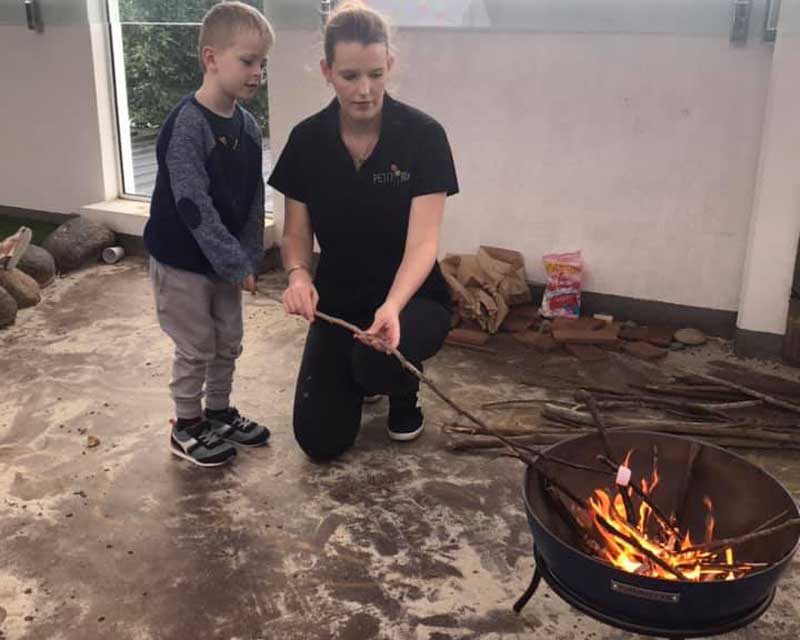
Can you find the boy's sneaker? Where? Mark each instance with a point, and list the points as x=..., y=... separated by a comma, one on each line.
x=406, y=421
x=199, y=445
x=230, y=425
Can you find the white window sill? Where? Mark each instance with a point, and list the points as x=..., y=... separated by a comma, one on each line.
x=129, y=217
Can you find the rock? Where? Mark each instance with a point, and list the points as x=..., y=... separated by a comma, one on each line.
x=21, y=287
x=39, y=265
x=8, y=308
x=92, y=442
x=677, y=346
x=691, y=337
x=77, y=242
x=660, y=336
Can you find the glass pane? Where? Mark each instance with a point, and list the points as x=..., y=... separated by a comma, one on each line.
x=549, y=16
x=159, y=66
x=169, y=10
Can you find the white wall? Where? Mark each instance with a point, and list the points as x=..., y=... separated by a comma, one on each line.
x=50, y=112
x=639, y=149
x=775, y=226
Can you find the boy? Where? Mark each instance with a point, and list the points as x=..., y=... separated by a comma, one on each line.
x=205, y=232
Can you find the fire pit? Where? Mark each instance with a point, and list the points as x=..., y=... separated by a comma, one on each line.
x=690, y=568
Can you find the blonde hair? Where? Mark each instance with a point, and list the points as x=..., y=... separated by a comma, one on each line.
x=354, y=21
x=225, y=19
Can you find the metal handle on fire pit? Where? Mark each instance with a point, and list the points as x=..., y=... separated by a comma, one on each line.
x=668, y=597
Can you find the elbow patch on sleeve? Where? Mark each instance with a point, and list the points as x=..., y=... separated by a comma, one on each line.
x=189, y=212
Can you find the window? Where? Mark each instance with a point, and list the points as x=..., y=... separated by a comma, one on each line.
x=155, y=63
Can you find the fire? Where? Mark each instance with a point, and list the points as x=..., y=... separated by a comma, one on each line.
x=650, y=546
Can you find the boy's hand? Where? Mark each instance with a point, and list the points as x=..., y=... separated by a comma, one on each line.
x=249, y=284
x=300, y=297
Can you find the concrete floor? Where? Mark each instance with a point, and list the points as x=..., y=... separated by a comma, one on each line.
x=394, y=541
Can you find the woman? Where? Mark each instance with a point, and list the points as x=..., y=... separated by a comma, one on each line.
x=368, y=176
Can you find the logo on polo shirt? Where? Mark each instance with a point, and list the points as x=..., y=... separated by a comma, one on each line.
x=394, y=177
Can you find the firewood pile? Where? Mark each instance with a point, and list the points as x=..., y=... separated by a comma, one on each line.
x=736, y=407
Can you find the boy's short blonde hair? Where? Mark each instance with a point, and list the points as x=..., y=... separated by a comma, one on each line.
x=224, y=20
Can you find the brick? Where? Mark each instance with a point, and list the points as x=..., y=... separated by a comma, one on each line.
x=467, y=336
x=516, y=324
x=539, y=341
x=644, y=350
x=578, y=324
x=586, y=352
x=525, y=311
x=609, y=335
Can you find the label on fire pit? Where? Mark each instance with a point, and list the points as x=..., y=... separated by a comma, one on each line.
x=647, y=594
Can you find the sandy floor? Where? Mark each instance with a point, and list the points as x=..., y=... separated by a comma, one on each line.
x=392, y=541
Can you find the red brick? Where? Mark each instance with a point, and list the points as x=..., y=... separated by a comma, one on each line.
x=644, y=350
x=539, y=341
x=609, y=335
x=586, y=352
x=516, y=324
x=467, y=336
x=578, y=324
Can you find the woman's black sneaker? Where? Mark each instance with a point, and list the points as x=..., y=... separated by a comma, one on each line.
x=199, y=445
x=406, y=421
x=230, y=425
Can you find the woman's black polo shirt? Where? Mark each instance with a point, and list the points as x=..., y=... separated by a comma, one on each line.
x=360, y=218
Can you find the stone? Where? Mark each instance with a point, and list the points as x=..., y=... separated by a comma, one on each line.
x=632, y=332
x=77, y=242
x=39, y=265
x=21, y=287
x=8, y=308
x=691, y=337
x=660, y=336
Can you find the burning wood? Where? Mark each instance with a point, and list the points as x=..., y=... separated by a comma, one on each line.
x=647, y=546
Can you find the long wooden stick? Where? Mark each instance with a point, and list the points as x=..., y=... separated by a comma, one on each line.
x=714, y=545
x=630, y=513
x=683, y=495
x=788, y=406
x=525, y=454
x=725, y=430
x=379, y=345
x=642, y=496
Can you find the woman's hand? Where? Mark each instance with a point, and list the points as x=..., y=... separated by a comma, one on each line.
x=385, y=329
x=300, y=297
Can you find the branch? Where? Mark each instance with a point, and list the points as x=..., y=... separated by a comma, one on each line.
x=732, y=542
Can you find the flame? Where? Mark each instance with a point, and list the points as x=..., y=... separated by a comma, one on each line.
x=667, y=555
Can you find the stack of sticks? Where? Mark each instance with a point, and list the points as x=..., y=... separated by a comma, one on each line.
x=700, y=406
